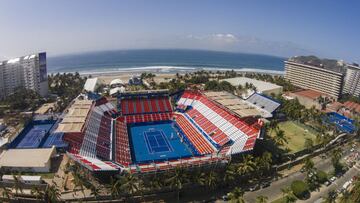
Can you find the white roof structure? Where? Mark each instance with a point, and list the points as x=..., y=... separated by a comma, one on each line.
x=26, y=157
x=116, y=82
x=117, y=90
x=22, y=177
x=261, y=86
x=13, y=60
x=90, y=84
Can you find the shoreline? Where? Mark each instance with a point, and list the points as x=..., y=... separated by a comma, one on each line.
x=168, y=70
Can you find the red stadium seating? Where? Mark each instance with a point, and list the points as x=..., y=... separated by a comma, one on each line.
x=216, y=134
x=103, y=139
x=145, y=105
x=122, y=151
x=148, y=117
x=200, y=143
x=211, y=126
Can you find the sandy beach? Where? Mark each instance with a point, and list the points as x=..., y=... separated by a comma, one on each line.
x=161, y=76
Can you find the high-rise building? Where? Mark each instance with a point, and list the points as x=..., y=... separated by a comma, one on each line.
x=29, y=72
x=314, y=78
x=352, y=80
x=327, y=76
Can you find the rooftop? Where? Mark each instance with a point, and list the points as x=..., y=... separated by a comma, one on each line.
x=352, y=106
x=237, y=105
x=328, y=64
x=261, y=86
x=90, y=84
x=312, y=94
x=76, y=115
x=26, y=157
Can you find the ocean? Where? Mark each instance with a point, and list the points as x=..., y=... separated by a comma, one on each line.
x=164, y=61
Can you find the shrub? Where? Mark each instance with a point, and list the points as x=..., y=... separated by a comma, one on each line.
x=300, y=189
x=322, y=176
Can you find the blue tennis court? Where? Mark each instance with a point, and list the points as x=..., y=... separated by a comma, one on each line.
x=34, y=137
x=156, y=142
x=55, y=139
x=342, y=123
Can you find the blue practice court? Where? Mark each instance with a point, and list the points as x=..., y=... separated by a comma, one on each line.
x=342, y=123
x=156, y=142
x=34, y=137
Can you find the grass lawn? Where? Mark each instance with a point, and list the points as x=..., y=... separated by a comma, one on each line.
x=280, y=200
x=296, y=135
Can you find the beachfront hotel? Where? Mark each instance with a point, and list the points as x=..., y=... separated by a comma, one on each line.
x=28, y=71
x=327, y=76
x=316, y=78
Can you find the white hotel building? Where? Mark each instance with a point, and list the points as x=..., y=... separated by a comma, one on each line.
x=29, y=72
x=344, y=79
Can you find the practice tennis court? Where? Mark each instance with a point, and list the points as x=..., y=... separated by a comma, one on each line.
x=34, y=137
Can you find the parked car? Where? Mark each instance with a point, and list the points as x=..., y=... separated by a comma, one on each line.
x=332, y=179
x=327, y=183
x=254, y=187
x=265, y=184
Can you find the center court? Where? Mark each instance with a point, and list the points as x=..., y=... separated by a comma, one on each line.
x=156, y=142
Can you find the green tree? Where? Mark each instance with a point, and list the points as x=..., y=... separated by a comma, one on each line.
x=247, y=165
x=280, y=138
x=52, y=194
x=37, y=192
x=288, y=196
x=261, y=199
x=236, y=195
x=177, y=180
x=129, y=183
x=299, y=189
x=17, y=184
x=5, y=192
x=211, y=180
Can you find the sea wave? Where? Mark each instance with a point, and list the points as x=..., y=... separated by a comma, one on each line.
x=171, y=69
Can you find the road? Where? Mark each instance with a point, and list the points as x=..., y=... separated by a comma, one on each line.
x=324, y=190
x=273, y=192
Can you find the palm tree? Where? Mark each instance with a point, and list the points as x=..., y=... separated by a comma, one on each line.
x=17, y=184
x=287, y=195
x=52, y=194
x=78, y=182
x=308, y=165
x=335, y=158
x=331, y=198
x=346, y=197
x=236, y=195
x=280, y=138
x=230, y=174
x=6, y=192
x=211, y=180
x=129, y=183
x=247, y=165
x=37, y=192
x=114, y=187
x=156, y=183
x=261, y=199
x=177, y=180
x=94, y=191
x=355, y=191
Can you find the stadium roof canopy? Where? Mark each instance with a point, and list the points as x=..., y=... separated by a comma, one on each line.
x=90, y=84
x=261, y=86
x=26, y=157
x=75, y=119
x=116, y=82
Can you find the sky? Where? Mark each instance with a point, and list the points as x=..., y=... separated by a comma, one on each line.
x=326, y=28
